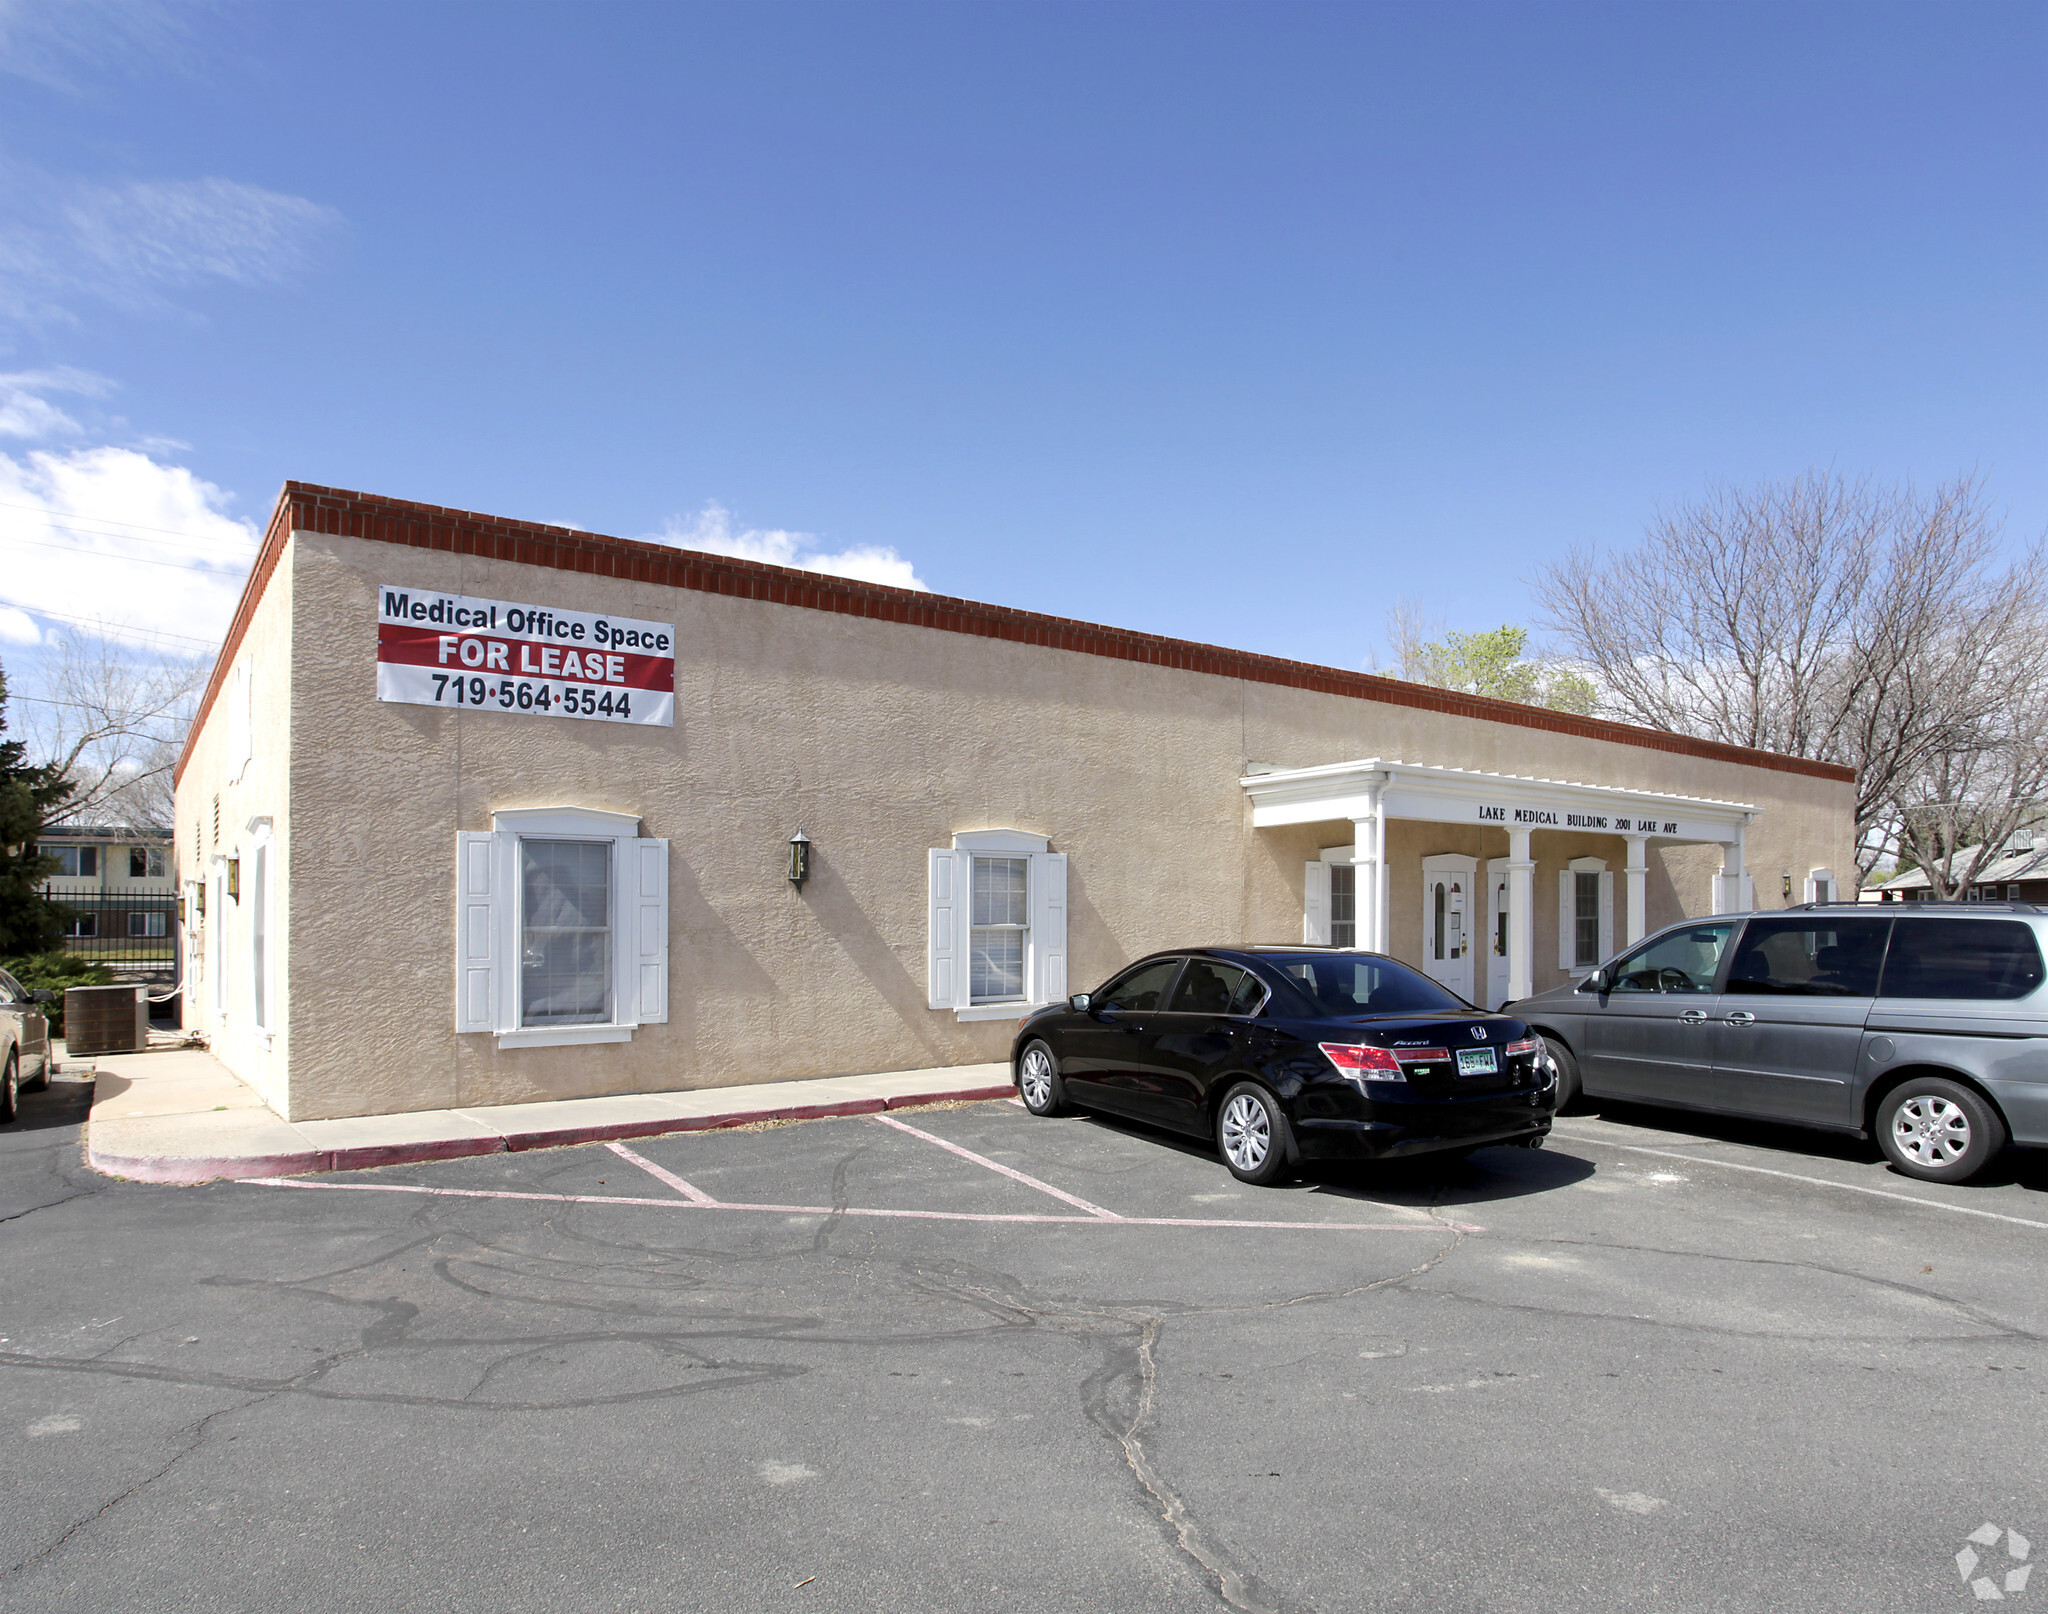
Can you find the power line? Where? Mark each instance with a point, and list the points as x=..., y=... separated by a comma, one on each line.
x=109, y=521
x=44, y=700
x=139, y=560
x=100, y=625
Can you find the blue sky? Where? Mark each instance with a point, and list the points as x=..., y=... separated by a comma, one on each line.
x=1233, y=322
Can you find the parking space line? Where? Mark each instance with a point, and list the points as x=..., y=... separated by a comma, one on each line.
x=1793, y=1176
x=695, y=1195
x=983, y=1160
x=859, y=1210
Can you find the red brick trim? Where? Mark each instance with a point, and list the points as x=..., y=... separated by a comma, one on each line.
x=305, y=507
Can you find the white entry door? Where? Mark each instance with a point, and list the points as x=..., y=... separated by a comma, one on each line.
x=1450, y=910
x=1498, y=907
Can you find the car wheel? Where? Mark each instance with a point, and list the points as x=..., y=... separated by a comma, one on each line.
x=1251, y=1133
x=1938, y=1130
x=1569, y=1092
x=42, y=1082
x=10, y=1086
x=1038, y=1081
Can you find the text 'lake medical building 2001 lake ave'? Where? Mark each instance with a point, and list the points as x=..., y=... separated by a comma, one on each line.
x=481, y=811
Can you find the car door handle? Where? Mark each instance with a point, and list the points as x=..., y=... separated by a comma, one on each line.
x=1742, y=1017
x=1692, y=1017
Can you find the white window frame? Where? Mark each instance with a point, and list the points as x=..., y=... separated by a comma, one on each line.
x=1568, y=915
x=1815, y=879
x=949, y=924
x=488, y=925
x=216, y=944
x=260, y=893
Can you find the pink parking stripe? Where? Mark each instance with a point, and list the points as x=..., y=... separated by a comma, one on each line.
x=695, y=1195
x=1014, y=1176
x=856, y=1210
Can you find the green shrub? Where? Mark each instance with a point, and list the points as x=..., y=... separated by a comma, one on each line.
x=55, y=972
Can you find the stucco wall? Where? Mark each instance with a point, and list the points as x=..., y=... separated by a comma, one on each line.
x=213, y=820
x=880, y=740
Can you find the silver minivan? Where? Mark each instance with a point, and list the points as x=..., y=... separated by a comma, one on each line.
x=1926, y=1028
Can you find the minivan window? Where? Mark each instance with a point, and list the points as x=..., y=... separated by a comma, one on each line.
x=1980, y=959
x=1683, y=961
x=1809, y=957
x=1332, y=986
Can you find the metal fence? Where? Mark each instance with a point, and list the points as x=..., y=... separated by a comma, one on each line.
x=132, y=935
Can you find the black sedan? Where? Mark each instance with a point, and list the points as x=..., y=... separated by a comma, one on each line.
x=1284, y=1054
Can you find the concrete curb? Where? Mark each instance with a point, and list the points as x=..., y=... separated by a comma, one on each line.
x=187, y=1171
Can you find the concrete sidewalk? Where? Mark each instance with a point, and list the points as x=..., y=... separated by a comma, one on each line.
x=180, y=1116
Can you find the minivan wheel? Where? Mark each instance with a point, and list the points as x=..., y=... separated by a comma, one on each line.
x=1938, y=1130
x=1251, y=1135
x=10, y=1085
x=1038, y=1081
x=1569, y=1091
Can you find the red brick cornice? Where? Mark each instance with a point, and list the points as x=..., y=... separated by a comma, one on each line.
x=304, y=507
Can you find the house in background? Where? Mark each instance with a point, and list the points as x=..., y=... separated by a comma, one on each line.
x=120, y=885
x=2018, y=874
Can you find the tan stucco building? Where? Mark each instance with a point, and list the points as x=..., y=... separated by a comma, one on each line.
x=480, y=811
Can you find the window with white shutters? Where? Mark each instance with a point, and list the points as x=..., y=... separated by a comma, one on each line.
x=996, y=924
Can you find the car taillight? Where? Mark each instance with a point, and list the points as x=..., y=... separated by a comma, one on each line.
x=1528, y=1045
x=1356, y=1059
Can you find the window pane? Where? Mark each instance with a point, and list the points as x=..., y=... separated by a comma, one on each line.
x=1207, y=988
x=1343, y=905
x=1984, y=959
x=1142, y=989
x=565, y=961
x=1832, y=958
x=1586, y=919
x=1001, y=909
x=1683, y=961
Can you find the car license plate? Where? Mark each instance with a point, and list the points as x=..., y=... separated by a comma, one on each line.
x=1477, y=1062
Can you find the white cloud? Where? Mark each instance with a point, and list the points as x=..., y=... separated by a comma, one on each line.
x=128, y=244
x=25, y=413
x=711, y=530
x=59, y=44
x=142, y=549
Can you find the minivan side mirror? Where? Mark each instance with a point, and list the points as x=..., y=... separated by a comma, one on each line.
x=1078, y=1002
x=1596, y=982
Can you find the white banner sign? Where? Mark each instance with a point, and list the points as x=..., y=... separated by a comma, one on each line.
x=497, y=656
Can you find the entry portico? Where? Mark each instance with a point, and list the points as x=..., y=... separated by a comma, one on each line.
x=1370, y=792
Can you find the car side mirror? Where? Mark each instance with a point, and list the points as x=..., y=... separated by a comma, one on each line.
x=43, y=994
x=1078, y=1002
x=1596, y=982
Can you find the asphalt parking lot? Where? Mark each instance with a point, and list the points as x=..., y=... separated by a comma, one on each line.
x=977, y=1361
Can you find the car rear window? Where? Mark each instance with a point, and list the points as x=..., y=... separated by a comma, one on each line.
x=1972, y=959
x=1332, y=986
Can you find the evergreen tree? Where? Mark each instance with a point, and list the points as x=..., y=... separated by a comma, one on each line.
x=30, y=797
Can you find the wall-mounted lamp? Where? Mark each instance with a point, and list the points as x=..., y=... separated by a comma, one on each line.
x=799, y=859
x=1787, y=888
x=235, y=878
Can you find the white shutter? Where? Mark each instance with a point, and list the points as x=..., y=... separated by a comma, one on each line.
x=1315, y=904
x=476, y=931
x=1567, y=941
x=944, y=986
x=1049, y=926
x=1606, y=915
x=648, y=899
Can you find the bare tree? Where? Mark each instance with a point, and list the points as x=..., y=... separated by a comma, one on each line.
x=1829, y=619
x=113, y=719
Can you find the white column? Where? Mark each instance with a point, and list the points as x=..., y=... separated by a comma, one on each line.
x=1521, y=917
x=1729, y=896
x=1371, y=876
x=1638, y=873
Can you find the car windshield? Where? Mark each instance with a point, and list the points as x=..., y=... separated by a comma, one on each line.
x=1337, y=986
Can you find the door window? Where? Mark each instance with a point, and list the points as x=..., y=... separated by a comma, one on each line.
x=1207, y=987
x=1810, y=958
x=1144, y=988
x=1683, y=961
x=1980, y=959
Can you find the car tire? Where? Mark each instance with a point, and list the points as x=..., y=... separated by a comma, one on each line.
x=1038, y=1081
x=42, y=1082
x=1569, y=1091
x=10, y=1086
x=1252, y=1136
x=1938, y=1130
